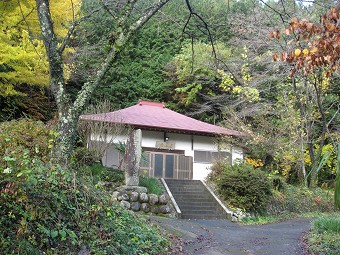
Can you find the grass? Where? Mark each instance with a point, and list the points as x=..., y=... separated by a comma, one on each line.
x=152, y=184
x=331, y=225
x=324, y=238
x=266, y=219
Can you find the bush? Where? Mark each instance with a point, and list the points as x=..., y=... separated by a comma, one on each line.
x=17, y=135
x=113, y=175
x=46, y=209
x=152, y=184
x=300, y=199
x=82, y=156
x=242, y=186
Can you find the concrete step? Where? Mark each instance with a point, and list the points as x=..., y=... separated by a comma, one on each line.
x=198, y=217
x=201, y=207
x=192, y=196
x=187, y=200
x=210, y=211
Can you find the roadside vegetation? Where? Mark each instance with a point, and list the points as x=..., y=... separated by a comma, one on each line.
x=324, y=238
x=262, y=194
x=47, y=209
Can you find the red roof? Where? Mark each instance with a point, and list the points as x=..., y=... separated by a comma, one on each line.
x=155, y=116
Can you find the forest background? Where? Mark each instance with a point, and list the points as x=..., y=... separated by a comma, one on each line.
x=219, y=69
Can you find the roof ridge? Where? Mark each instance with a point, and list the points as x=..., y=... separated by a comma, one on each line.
x=151, y=103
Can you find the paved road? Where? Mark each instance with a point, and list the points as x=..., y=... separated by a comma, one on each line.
x=217, y=237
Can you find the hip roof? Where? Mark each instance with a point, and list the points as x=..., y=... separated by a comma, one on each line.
x=155, y=116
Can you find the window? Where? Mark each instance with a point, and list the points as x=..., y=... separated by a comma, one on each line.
x=202, y=156
x=208, y=157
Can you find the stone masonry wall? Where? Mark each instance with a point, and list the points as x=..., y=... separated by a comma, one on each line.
x=137, y=199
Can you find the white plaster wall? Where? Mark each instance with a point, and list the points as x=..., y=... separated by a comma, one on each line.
x=149, y=138
x=184, y=142
x=205, y=143
x=237, y=154
x=201, y=171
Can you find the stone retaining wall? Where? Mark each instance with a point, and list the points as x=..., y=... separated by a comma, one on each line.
x=137, y=199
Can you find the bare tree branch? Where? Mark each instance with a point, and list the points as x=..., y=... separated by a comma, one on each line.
x=70, y=32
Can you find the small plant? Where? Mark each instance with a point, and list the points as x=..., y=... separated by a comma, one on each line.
x=152, y=184
x=113, y=175
x=331, y=225
x=324, y=239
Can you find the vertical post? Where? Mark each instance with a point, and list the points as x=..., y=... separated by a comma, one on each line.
x=133, y=155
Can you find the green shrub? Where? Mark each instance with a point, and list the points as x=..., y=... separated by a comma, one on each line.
x=82, y=156
x=152, y=184
x=300, y=199
x=27, y=134
x=45, y=209
x=242, y=186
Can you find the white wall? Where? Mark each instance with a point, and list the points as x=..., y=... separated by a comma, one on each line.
x=237, y=154
x=184, y=142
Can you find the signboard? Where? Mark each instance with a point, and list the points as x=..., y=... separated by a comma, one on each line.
x=165, y=145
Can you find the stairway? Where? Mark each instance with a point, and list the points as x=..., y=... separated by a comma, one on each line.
x=194, y=200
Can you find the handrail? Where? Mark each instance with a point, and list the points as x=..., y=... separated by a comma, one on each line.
x=179, y=213
x=226, y=210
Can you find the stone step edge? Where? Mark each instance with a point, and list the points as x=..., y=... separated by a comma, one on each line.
x=173, y=201
x=202, y=217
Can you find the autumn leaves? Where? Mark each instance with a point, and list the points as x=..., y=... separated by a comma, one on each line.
x=317, y=44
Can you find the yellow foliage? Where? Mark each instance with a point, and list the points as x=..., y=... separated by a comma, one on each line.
x=331, y=162
x=227, y=84
x=297, y=52
x=254, y=162
x=22, y=55
x=314, y=50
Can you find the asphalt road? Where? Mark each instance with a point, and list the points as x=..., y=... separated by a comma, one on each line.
x=222, y=237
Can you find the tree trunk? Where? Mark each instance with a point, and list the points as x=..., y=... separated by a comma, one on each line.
x=68, y=111
x=303, y=166
x=322, y=137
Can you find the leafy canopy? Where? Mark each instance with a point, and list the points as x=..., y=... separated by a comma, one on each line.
x=22, y=53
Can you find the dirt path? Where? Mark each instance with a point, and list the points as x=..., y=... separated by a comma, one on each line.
x=221, y=237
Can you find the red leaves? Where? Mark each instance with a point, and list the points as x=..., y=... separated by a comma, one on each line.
x=275, y=34
x=9, y=188
x=322, y=40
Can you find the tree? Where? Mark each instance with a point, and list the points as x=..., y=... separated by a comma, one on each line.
x=22, y=56
x=98, y=136
x=23, y=66
x=205, y=82
x=127, y=19
x=317, y=55
x=138, y=71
